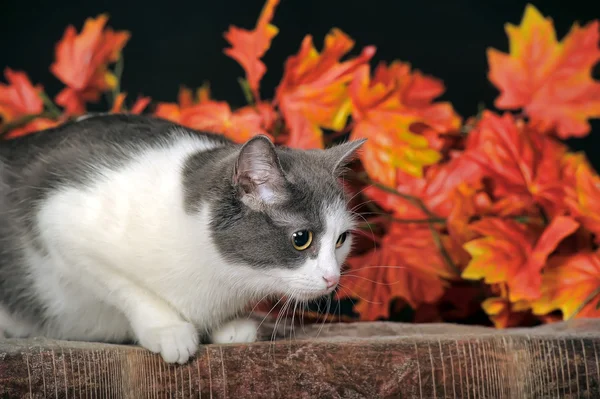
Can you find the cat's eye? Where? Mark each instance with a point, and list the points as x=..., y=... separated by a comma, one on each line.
x=302, y=239
x=341, y=239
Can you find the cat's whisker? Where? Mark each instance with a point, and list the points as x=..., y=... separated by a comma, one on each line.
x=360, y=192
x=360, y=297
x=376, y=267
x=325, y=318
x=267, y=315
x=370, y=280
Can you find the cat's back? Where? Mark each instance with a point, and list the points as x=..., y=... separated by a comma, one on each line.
x=114, y=137
x=83, y=152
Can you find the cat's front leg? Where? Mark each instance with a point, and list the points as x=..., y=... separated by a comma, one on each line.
x=156, y=325
x=241, y=330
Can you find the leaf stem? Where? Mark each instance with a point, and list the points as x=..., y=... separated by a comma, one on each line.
x=247, y=91
x=432, y=218
x=52, y=110
x=118, y=71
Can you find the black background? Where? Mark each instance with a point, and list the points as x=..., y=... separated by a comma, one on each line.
x=181, y=42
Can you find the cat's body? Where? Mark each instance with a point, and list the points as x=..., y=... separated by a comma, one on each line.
x=120, y=228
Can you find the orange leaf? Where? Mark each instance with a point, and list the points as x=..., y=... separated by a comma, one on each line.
x=217, y=117
x=385, y=109
x=398, y=269
x=571, y=284
x=525, y=166
x=31, y=127
x=82, y=60
x=436, y=189
x=550, y=80
x=19, y=98
x=505, y=314
x=514, y=253
x=313, y=93
x=248, y=47
x=583, y=193
x=137, y=108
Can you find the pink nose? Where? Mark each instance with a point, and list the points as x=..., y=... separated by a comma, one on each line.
x=331, y=280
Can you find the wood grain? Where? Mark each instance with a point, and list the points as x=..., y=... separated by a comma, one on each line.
x=359, y=360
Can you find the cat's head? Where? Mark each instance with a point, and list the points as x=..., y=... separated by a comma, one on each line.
x=286, y=217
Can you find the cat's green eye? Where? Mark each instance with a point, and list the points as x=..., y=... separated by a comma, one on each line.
x=302, y=239
x=341, y=239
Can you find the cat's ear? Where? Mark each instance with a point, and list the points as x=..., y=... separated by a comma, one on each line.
x=341, y=155
x=258, y=173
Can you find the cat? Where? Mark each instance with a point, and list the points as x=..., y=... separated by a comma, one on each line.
x=124, y=228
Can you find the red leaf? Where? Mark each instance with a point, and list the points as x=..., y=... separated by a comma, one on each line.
x=551, y=81
x=20, y=97
x=313, y=93
x=82, y=60
x=248, y=47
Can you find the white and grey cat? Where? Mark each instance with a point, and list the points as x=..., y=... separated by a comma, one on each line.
x=128, y=228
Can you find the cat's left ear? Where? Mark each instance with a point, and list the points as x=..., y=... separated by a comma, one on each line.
x=258, y=173
x=341, y=155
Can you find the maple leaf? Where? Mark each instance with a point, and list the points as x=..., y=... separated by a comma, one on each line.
x=550, y=80
x=137, y=108
x=583, y=192
x=435, y=189
x=384, y=110
x=248, y=47
x=514, y=253
x=571, y=284
x=313, y=93
x=525, y=166
x=217, y=117
x=397, y=269
x=82, y=60
x=19, y=97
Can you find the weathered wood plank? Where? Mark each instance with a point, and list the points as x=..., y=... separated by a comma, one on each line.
x=361, y=360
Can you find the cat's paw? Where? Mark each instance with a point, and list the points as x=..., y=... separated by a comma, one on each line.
x=175, y=343
x=236, y=331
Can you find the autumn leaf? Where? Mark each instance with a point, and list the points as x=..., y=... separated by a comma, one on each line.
x=571, y=284
x=505, y=314
x=35, y=125
x=384, y=110
x=19, y=97
x=137, y=108
x=551, y=80
x=583, y=193
x=249, y=46
x=397, y=269
x=525, y=166
x=217, y=117
x=313, y=94
x=436, y=189
x=514, y=253
x=82, y=60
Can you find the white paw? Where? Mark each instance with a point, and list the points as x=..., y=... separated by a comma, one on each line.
x=175, y=343
x=236, y=331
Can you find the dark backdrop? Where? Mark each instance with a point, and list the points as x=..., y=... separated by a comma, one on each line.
x=181, y=42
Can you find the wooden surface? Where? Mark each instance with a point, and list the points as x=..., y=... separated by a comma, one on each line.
x=368, y=360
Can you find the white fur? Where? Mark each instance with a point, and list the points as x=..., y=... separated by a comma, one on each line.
x=125, y=261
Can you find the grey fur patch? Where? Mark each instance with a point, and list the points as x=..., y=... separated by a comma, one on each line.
x=262, y=237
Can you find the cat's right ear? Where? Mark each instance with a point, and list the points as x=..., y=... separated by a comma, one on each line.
x=258, y=173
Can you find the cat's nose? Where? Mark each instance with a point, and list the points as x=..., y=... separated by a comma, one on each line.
x=331, y=281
